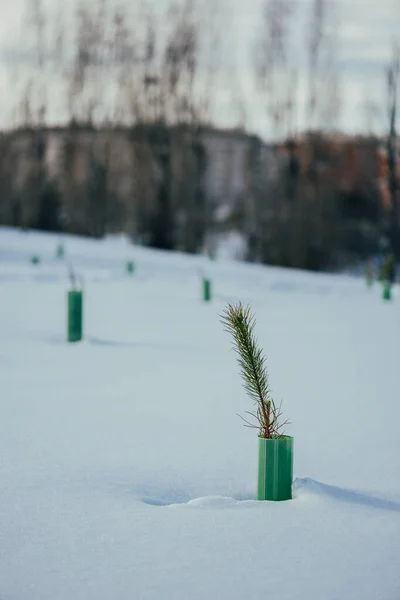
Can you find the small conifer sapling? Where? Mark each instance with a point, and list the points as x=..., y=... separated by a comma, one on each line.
x=239, y=322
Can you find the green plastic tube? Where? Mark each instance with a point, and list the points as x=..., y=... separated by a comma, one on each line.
x=75, y=302
x=130, y=266
x=206, y=290
x=35, y=260
x=275, y=468
x=387, y=291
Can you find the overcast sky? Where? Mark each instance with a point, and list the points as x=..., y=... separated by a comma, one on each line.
x=365, y=30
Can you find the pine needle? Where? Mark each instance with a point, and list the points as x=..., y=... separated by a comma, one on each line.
x=240, y=323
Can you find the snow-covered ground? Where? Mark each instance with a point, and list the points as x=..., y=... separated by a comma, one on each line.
x=125, y=472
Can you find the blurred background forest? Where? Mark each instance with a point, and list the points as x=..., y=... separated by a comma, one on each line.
x=114, y=129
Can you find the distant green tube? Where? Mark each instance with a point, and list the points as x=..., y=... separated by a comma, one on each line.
x=75, y=303
x=206, y=290
x=35, y=260
x=387, y=291
x=130, y=267
x=275, y=468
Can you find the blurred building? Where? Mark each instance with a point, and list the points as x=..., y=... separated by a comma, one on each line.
x=87, y=169
x=176, y=187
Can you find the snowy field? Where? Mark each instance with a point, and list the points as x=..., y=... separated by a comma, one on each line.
x=125, y=473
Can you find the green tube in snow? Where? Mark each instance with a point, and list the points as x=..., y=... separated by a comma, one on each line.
x=130, y=266
x=75, y=303
x=206, y=290
x=387, y=291
x=275, y=468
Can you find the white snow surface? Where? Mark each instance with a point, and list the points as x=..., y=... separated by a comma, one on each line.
x=125, y=472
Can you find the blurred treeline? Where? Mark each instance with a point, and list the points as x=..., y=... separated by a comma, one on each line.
x=114, y=129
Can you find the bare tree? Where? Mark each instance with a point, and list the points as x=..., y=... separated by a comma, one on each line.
x=324, y=100
x=31, y=181
x=315, y=33
x=297, y=212
x=393, y=84
x=322, y=113
x=36, y=27
x=276, y=75
x=272, y=71
x=161, y=80
x=90, y=63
